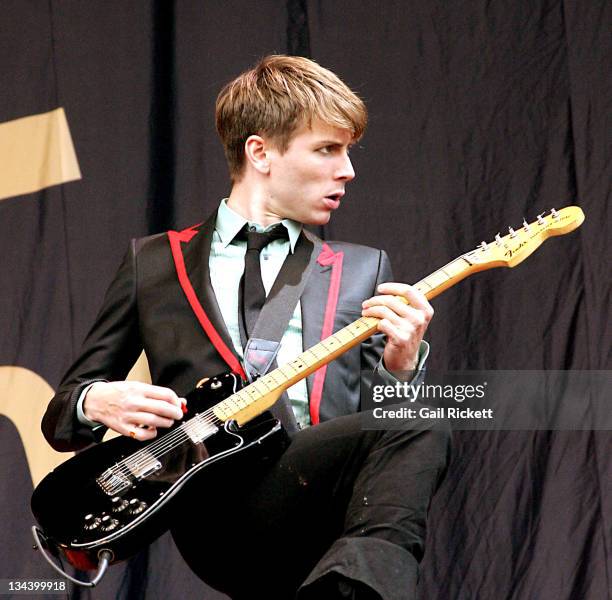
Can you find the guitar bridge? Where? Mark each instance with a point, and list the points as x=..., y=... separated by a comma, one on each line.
x=118, y=478
x=114, y=481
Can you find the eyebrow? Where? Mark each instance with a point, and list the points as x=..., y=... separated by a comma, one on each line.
x=333, y=143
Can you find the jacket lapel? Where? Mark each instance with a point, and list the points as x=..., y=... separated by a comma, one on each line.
x=197, y=254
x=313, y=303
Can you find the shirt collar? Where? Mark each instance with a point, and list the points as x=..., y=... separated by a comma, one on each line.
x=229, y=223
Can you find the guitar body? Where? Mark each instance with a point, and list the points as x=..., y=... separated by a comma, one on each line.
x=117, y=495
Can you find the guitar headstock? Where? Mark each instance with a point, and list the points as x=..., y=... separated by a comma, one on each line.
x=517, y=245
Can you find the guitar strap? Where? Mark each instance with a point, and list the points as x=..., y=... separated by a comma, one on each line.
x=262, y=347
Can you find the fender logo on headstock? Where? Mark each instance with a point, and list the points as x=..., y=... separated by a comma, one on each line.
x=510, y=252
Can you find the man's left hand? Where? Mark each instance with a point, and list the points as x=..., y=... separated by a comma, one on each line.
x=403, y=324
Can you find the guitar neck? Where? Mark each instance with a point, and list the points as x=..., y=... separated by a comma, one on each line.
x=260, y=395
x=507, y=251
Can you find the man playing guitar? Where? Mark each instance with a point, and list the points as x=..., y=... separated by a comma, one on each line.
x=342, y=512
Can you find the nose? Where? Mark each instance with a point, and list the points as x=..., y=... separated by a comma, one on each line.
x=345, y=171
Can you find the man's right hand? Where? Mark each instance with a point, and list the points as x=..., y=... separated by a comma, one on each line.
x=133, y=408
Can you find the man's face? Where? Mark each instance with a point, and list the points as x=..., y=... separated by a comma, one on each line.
x=307, y=181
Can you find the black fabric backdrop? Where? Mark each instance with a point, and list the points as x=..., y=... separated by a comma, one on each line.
x=480, y=113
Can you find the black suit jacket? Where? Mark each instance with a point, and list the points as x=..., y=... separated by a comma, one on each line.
x=146, y=308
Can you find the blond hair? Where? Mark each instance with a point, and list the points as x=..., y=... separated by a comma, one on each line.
x=280, y=94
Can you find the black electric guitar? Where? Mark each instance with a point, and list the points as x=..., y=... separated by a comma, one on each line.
x=111, y=500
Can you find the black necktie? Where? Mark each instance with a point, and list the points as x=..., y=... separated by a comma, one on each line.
x=252, y=292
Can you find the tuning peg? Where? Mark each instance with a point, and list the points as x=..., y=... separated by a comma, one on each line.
x=512, y=232
x=498, y=239
x=526, y=225
x=555, y=214
x=541, y=220
x=483, y=246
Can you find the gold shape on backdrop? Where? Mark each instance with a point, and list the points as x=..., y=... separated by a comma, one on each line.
x=24, y=396
x=36, y=152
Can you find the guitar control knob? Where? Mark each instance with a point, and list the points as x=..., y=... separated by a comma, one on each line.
x=108, y=523
x=118, y=504
x=91, y=522
x=136, y=506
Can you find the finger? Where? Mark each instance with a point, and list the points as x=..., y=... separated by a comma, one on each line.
x=392, y=302
x=399, y=307
x=157, y=407
x=399, y=316
x=136, y=432
x=146, y=419
x=412, y=294
x=381, y=311
x=157, y=392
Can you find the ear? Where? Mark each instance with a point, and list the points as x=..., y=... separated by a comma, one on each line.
x=256, y=153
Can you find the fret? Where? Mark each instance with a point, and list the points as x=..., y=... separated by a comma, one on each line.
x=283, y=371
x=272, y=377
x=355, y=329
x=224, y=413
x=252, y=393
x=445, y=274
x=421, y=286
x=436, y=279
x=308, y=357
x=315, y=352
x=344, y=336
x=223, y=410
x=330, y=344
x=261, y=382
x=295, y=365
x=231, y=403
x=456, y=267
x=241, y=399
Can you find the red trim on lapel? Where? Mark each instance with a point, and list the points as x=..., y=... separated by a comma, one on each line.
x=185, y=236
x=326, y=257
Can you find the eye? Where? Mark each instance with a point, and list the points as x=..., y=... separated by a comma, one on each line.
x=326, y=149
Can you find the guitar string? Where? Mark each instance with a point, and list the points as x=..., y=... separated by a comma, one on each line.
x=137, y=460
x=148, y=456
x=170, y=441
x=200, y=419
x=145, y=456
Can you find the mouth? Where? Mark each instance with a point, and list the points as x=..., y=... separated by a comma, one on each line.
x=333, y=200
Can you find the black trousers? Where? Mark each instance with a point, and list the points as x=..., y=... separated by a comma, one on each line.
x=341, y=499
